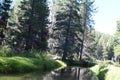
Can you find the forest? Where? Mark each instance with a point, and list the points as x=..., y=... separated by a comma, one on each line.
x=46, y=34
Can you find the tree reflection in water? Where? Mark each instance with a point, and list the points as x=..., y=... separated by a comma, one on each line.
x=71, y=73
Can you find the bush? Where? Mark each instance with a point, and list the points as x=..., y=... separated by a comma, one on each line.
x=100, y=70
x=6, y=50
x=81, y=63
x=32, y=53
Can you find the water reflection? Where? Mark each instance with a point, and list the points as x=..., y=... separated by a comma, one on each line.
x=74, y=73
x=70, y=73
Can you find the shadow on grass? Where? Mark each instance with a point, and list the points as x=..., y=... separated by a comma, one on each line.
x=102, y=73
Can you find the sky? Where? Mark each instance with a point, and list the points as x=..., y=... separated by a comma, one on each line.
x=108, y=12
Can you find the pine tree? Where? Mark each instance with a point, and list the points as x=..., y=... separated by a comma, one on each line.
x=13, y=25
x=67, y=23
x=4, y=15
x=32, y=25
x=87, y=9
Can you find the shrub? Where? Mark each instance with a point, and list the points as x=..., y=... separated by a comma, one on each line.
x=81, y=63
x=6, y=50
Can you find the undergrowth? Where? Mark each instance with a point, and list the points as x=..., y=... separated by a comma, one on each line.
x=23, y=64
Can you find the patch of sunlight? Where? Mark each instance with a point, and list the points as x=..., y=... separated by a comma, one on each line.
x=50, y=56
x=63, y=65
x=113, y=73
x=95, y=69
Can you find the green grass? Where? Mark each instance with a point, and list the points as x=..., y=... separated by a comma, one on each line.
x=12, y=61
x=23, y=64
x=109, y=72
x=113, y=73
x=63, y=65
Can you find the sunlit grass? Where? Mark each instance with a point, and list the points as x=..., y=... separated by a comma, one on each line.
x=16, y=64
x=95, y=69
x=63, y=65
x=112, y=72
x=23, y=64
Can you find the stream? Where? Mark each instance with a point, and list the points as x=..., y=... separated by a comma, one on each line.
x=69, y=73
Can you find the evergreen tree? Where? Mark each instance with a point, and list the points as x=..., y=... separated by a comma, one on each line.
x=5, y=8
x=87, y=10
x=32, y=25
x=67, y=25
x=90, y=43
x=117, y=40
x=105, y=46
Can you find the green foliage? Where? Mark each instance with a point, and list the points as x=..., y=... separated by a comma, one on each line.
x=67, y=27
x=29, y=61
x=109, y=72
x=118, y=26
x=4, y=15
x=100, y=71
x=91, y=43
x=6, y=50
x=16, y=64
x=117, y=50
x=117, y=40
x=28, y=25
x=22, y=64
x=81, y=63
x=32, y=53
x=105, y=46
x=116, y=46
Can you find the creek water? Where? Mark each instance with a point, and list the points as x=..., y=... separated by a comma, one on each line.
x=69, y=73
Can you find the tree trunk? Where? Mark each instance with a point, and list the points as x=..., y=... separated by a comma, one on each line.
x=84, y=22
x=29, y=38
